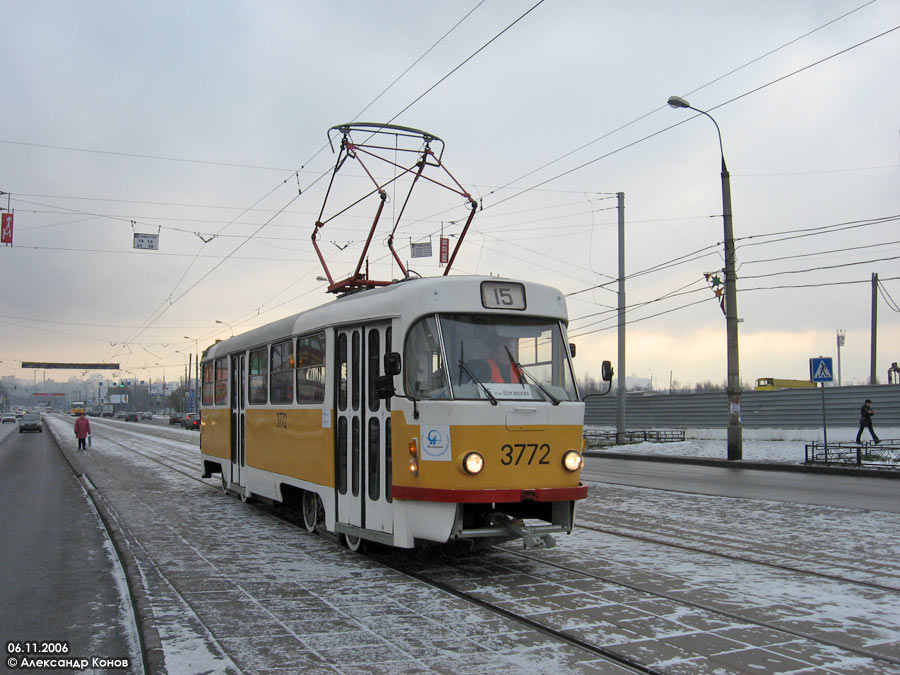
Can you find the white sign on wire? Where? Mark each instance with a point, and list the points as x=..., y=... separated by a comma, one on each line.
x=146, y=241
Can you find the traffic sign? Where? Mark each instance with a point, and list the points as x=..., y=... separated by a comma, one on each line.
x=820, y=369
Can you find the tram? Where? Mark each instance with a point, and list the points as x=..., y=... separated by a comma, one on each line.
x=76, y=408
x=428, y=410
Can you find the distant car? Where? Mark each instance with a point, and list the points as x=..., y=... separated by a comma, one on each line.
x=146, y=415
x=192, y=421
x=120, y=415
x=176, y=418
x=31, y=422
x=132, y=417
x=20, y=414
x=8, y=417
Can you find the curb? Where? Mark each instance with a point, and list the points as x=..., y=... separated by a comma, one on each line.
x=151, y=645
x=744, y=464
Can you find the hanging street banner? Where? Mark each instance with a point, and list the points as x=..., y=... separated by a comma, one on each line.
x=420, y=250
x=445, y=250
x=6, y=229
x=70, y=366
x=146, y=241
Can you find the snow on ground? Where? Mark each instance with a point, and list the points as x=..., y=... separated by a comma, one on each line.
x=759, y=445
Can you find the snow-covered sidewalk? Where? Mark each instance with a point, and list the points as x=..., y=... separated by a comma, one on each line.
x=759, y=445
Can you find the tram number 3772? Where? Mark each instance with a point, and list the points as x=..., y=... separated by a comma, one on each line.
x=540, y=453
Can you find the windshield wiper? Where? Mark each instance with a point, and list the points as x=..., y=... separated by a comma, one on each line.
x=468, y=371
x=521, y=369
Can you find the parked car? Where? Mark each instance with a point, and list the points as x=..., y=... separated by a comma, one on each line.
x=176, y=418
x=132, y=417
x=8, y=417
x=31, y=422
x=146, y=415
x=120, y=415
x=192, y=421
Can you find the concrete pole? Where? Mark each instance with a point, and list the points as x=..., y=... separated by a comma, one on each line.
x=873, y=377
x=620, y=363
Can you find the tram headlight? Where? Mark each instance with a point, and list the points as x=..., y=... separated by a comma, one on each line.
x=473, y=463
x=572, y=460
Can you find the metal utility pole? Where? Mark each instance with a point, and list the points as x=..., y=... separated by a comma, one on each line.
x=735, y=432
x=873, y=378
x=620, y=363
x=840, y=343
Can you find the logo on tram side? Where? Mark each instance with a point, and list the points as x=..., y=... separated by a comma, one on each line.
x=436, y=444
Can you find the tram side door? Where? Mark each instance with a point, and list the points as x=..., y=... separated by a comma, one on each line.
x=238, y=405
x=362, y=455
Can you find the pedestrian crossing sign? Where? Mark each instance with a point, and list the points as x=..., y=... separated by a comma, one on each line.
x=820, y=369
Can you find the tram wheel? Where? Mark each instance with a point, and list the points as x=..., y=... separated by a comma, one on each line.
x=310, y=510
x=352, y=542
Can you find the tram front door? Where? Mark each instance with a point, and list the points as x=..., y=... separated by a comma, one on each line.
x=362, y=429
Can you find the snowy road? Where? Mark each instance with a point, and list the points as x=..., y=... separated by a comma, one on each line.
x=234, y=589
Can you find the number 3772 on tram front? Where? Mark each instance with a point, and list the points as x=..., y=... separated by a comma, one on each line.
x=428, y=410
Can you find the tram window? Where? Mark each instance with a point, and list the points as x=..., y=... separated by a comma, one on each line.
x=372, y=369
x=259, y=375
x=311, y=368
x=424, y=375
x=354, y=452
x=356, y=383
x=387, y=350
x=282, y=382
x=342, y=371
x=374, y=435
x=221, y=388
x=388, y=461
x=208, y=383
x=342, y=456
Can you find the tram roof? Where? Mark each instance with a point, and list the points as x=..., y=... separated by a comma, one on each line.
x=412, y=297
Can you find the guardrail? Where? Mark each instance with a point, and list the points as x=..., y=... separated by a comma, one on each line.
x=608, y=437
x=883, y=454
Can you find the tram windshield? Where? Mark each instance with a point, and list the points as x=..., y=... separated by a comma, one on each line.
x=464, y=357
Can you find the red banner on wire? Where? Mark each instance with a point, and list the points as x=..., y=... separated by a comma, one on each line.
x=6, y=229
x=445, y=250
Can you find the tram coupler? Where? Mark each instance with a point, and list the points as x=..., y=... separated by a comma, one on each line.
x=531, y=538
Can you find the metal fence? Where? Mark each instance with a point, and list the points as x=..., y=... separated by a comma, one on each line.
x=781, y=409
x=884, y=454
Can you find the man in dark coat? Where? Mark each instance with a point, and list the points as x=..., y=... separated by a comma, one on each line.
x=865, y=420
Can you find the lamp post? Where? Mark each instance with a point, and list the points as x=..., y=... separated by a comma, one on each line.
x=735, y=440
x=225, y=323
x=196, y=370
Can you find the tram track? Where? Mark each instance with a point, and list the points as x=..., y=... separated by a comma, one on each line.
x=737, y=558
x=734, y=616
x=179, y=461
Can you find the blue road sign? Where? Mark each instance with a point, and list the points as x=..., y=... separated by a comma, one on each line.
x=820, y=369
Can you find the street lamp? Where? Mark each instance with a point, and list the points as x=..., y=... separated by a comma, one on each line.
x=735, y=441
x=225, y=323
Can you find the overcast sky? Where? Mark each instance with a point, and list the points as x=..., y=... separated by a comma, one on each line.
x=201, y=122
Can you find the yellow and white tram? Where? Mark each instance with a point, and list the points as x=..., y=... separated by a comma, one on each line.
x=428, y=410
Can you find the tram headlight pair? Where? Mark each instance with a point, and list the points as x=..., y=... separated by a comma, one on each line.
x=414, y=457
x=572, y=460
x=473, y=463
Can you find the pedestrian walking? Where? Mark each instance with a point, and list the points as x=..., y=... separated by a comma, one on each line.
x=82, y=431
x=865, y=420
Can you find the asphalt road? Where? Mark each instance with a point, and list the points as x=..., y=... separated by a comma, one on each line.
x=855, y=492
x=59, y=578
